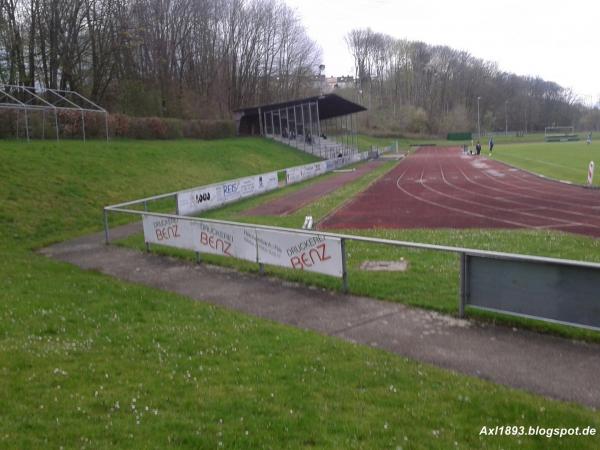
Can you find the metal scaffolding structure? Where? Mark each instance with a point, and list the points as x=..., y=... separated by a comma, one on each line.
x=28, y=99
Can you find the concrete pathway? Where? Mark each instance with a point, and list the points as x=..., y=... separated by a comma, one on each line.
x=538, y=363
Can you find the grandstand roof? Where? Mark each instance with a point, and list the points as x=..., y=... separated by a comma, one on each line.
x=330, y=105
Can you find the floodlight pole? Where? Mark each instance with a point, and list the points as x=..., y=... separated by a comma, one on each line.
x=506, y=118
x=478, y=121
x=319, y=128
x=321, y=69
x=312, y=145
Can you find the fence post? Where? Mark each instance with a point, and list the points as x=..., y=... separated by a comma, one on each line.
x=198, y=258
x=146, y=209
x=261, y=266
x=344, y=271
x=464, y=273
x=106, y=237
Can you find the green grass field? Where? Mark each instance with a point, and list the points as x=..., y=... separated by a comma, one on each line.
x=366, y=141
x=559, y=160
x=91, y=362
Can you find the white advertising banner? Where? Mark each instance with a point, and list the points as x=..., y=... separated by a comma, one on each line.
x=300, y=173
x=197, y=200
x=213, y=196
x=299, y=251
x=311, y=252
x=226, y=240
x=204, y=237
x=168, y=231
x=257, y=184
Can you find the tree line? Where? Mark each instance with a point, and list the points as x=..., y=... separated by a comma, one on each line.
x=430, y=88
x=173, y=58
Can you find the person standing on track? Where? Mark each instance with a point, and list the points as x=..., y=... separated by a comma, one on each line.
x=478, y=148
x=491, y=144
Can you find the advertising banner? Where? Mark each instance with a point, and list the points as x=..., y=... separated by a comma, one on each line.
x=310, y=252
x=225, y=240
x=199, y=199
x=299, y=251
x=167, y=231
x=213, y=196
x=258, y=184
x=300, y=173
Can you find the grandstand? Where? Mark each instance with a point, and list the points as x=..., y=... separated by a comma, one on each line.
x=323, y=125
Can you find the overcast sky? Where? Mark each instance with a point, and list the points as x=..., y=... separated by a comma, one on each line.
x=557, y=40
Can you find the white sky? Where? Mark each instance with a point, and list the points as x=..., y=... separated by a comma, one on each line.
x=556, y=40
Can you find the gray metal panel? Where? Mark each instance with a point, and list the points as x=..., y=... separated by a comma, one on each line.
x=547, y=291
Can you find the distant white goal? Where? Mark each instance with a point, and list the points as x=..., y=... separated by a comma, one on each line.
x=560, y=134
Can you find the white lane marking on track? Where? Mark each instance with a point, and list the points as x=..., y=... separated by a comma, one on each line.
x=513, y=210
x=461, y=211
x=552, y=208
x=544, y=192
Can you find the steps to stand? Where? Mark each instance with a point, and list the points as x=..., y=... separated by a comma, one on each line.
x=322, y=147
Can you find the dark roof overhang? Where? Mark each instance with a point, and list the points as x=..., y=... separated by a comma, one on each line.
x=330, y=105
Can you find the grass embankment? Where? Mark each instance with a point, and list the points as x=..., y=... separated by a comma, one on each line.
x=88, y=361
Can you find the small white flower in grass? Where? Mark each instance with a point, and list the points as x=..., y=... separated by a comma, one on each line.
x=291, y=411
x=385, y=426
x=435, y=432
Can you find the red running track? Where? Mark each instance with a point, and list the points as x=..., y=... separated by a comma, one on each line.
x=291, y=203
x=442, y=188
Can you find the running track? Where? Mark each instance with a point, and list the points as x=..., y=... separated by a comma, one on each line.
x=293, y=202
x=442, y=188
